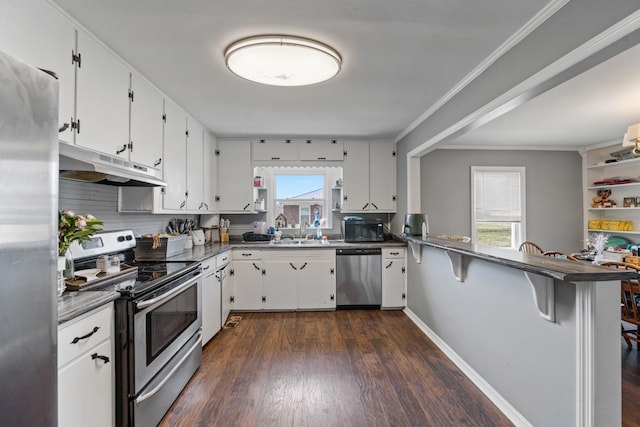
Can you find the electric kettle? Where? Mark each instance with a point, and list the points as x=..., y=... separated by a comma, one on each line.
x=413, y=223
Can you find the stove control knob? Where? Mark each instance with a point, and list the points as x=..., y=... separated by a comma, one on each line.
x=120, y=238
x=129, y=237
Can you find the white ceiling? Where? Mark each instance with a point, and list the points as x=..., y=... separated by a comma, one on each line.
x=400, y=57
x=594, y=107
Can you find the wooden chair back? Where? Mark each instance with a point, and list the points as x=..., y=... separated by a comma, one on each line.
x=556, y=254
x=530, y=248
x=629, y=301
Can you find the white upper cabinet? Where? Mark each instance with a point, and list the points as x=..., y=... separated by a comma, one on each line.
x=369, y=177
x=320, y=149
x=34, y=32
x=146, y=122
x=209, y=174
x=355, y=173
x=382, y=176
x=175, y=157
x=235, y=184
x=274, y=149
x=102, y=98
x=195, y=165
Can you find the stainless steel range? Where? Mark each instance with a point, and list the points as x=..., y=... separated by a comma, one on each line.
x=158, y=325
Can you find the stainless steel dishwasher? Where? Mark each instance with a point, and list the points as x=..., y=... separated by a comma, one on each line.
x=359, y=278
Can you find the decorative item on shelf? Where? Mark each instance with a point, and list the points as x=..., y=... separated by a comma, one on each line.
x=281, y=221
x=610, y=224
x=598, y=241
x=602, y=199
x=629, y=202
x=71, y=228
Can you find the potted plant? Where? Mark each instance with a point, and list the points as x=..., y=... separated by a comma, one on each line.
x=72, y=227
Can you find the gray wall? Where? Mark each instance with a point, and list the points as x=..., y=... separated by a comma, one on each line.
x=491, y=321
x=102, y=202
x=553, y=193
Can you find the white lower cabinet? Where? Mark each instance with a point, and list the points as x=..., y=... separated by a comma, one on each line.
x=394, y=278
x=211, y=304
x=85, y=370
x=246, y=275
x=283, y=280
x=316, y=280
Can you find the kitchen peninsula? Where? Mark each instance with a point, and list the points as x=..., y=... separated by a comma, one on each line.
x=532, y=332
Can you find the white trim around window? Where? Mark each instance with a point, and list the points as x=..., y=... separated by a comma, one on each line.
x=518, y=232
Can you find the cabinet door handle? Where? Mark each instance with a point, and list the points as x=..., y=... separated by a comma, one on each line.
x=64, y=127
x=365, y=206
x=344, y=198
x=292, y=266
x=84, y=337
x=205, y=268
x=374, y=205
x=394, y=253
x=182, y=204
x=157, y=162
x=95, y=356
x=246, y=253
x=122, y=150
x=255, y=266
x=264, y=299
x=246, y=206
x=332, y=271
x=389, y=265
x=303, y=266
x=264, y=272
x=332, y=297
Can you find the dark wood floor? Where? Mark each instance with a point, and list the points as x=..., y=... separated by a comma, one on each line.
x=342, y=368
x=630, y=386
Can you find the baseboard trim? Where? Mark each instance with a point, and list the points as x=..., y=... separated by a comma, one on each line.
x=503, y=405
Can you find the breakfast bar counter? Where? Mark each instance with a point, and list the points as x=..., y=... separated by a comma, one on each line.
x=539, y=336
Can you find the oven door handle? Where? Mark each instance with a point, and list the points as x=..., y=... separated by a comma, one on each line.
x=168, y=295
x=157, y=388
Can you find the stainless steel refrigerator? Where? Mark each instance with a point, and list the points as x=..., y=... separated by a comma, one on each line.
x=28, y=244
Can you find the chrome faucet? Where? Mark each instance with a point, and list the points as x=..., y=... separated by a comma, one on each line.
x=303, y=224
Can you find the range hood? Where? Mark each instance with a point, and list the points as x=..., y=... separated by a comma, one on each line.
x=83, y=164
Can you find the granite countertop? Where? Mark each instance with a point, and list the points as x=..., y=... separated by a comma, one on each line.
x=73, y=304
x=556, y=268
x=199, y=253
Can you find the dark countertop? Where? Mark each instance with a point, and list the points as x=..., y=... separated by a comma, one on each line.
x=73, y=304
x=199, y=253
x=560, y=269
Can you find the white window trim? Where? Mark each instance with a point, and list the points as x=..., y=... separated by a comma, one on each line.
x=523, y=199
x=326, y=190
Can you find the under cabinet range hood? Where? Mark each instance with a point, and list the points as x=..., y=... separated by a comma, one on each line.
x=83, y=164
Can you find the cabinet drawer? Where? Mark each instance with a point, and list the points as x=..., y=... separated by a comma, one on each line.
x=393, y=252
x=246, y=254
x=209, y=266
x=87, y=331
x=223, y=259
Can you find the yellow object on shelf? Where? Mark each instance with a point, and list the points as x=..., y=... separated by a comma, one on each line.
x=610, y=225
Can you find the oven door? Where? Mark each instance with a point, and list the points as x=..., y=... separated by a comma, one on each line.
x=163, y=323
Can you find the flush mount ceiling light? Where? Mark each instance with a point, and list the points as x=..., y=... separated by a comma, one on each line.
x=282, y=60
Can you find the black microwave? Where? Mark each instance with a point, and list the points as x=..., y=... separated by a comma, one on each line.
x=360, y=231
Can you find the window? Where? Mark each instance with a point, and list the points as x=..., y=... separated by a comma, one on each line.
x=299, y=196
x=498, y=206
